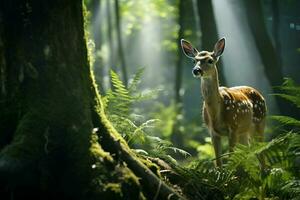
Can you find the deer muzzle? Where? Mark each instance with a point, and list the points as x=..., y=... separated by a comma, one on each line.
x=197, y=71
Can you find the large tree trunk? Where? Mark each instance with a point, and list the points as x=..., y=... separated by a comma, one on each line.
x=49, y=109
x=209, y=32
x=46, y=110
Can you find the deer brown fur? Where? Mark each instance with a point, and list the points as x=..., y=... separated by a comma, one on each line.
x=237, y=112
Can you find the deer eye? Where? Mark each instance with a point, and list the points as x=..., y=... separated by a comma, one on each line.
x=210, y=61
x=194, y=61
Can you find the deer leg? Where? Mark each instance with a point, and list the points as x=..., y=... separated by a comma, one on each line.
x=232, y=140
x=216, y=140
x=244, y=138
x=259, y=136
x=259, y=131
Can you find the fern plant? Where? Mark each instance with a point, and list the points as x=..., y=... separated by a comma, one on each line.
x=291, y=94
x=119, y=107
x=258, y=171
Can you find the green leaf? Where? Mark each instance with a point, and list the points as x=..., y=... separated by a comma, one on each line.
x=286, y=120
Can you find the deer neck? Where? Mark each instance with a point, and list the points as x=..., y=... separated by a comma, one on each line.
x=210, y=93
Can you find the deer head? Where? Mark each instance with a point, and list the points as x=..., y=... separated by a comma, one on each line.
x=205, y=61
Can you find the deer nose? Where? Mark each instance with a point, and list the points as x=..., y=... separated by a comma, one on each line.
x=197, y=71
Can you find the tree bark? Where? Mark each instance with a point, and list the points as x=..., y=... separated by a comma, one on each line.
x=46, y=110
x=49, y=109
x=209, y=32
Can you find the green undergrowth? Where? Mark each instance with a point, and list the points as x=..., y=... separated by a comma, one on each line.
x=267, y=170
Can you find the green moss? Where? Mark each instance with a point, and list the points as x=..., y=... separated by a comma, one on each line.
x=114, y=187
x=130, y=184
x=97, y=150
x=152, y=166
x=100, y=110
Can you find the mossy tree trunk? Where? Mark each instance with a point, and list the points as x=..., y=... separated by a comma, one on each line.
x=49, y=109
x=46, y=117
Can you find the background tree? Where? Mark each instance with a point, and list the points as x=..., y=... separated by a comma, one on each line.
x=111, y=58
x=209, y=32
x=268, y=53
x=97, y=35
x=120, y=45
x=275, y=27
x=176, y=134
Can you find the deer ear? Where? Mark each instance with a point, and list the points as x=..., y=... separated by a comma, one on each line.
x=219, y=47
x=188, y=49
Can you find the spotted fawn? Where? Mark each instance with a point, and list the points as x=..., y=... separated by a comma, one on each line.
x=236, y=112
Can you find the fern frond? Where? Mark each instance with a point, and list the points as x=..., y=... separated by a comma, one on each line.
x=291, y=189
x=139, y=130
x=140, y=151
x=289, y=86
x=135, y=80
x=118, y=99
x=292, y=98
x=178, y=150
x=286, y=120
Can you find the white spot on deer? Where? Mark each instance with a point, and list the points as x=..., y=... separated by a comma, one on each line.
x=227, y=108
x=238, y=110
